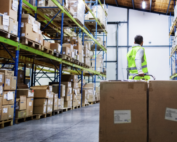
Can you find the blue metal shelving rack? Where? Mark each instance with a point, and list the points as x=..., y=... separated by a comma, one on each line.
x=57, y=77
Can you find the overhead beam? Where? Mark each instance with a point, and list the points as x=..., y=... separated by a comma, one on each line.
x=133, y=4
x=116, y=2
x=168, y=6
x=150, y=5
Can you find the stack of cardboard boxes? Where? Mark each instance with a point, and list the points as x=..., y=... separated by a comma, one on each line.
x=76, y=95
x=60, y=102
x=90, y=93
x=7, y=94
x=31, y=29
x=99, y=63
x=43, y=99
x=24, y=103
x=97, y=94
x=68, y=94
x=87, y=48
x=8, y=16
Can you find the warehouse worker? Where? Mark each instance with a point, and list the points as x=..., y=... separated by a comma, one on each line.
x=137, y=63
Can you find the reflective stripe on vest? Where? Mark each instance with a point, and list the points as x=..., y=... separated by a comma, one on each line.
x=134, y=68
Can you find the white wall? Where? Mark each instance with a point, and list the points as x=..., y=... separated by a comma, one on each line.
x=154, y=29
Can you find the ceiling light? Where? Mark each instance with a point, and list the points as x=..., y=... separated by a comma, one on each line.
x=143, y=4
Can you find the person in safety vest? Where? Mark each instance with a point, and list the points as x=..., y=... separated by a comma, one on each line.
x=137, y=63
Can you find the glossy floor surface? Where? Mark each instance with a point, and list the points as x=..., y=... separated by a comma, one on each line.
x=79, y=125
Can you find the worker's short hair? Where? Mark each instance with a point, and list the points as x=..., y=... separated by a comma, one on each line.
x=138, y=39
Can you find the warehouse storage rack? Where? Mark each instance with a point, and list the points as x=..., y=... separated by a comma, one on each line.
x=20, y=55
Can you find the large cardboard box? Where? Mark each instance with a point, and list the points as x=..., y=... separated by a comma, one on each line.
x=7, y=72
x=21, y=103
x=8, y=97
x=4, y=22
x=55, y=102
x=69, y=78
x=62, y=91
x=123, y=111
x=74, y=85
x=10, y=7
x=10, y=111
x=40, y=102
x=40, y=109
x=13, y=26
x=162, y=111
x=46, y=44
x=49, y=108
x=50, y=102
x=27, y=92
x=61, y=103
x=29, y=106
x=45, y=87
x=27, y=18
x=43, y=93
x=66, y=50
x=4, y=112
x=67, y=104
x=1, y=78
x=20, y=113
x=67, y=84
x=55, y=47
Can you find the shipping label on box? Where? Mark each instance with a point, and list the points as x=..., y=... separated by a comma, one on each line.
x=171, y=114
x=122, y=116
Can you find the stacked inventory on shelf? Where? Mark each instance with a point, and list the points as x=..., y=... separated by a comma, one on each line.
x=32, y=41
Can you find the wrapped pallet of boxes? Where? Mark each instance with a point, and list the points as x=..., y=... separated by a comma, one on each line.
x=123, y=111
x=61, y=103
x=99, y=63
x=21, y=106
x=87, y=54
x=10, y=7
x=68, y=94
x=162, y=111
x=29, y=99
x=90, y=92
x=9, y=80
x=44, y=93
x=77, y=8
x=85, y=98
x=66, y=49
x=55, y=102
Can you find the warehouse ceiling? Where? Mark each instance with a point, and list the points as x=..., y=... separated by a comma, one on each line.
x=158, y=6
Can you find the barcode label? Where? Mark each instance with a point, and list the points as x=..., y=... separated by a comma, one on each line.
x=171, y=114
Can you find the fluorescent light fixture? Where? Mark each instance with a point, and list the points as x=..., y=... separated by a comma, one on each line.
x=143, y=4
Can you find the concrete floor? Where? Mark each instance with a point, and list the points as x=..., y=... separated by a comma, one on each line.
x=80, y=125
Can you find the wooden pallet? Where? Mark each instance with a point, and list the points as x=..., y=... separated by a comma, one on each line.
x=46, y=50
x=91, y=103
x=31, y=43
x=65, y=57
x=57, y=111
x=67, y=109
x=76, y=107
x=8, y=35
x=85, y=105
x=39, y=116
x=4, y=123
x=97, y=101
x=24, y=119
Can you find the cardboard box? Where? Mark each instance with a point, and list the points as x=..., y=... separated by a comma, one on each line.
x=46, y=44
x=5, y=112
x=42, y=93
x=13, y=27
x=61, y=103
x=67, y=84
x=20, y=78
x=10, y=7
x=4, y=25
x=62, y=91
x=20, y=113
x=74, y=85
x=162, y=111
x=10, y=111
x=45, y=87
x=1, y=90
x=55, y=102
x=123, y=111
x=40, y=109
x=1, y=98
x=29, y=106
x=87, y=61
x=75, y=103
x=67, y=104
x=50, y=102
x=69, y=78
x=66, y=51
x=27, y=18
x=40, y=102
x=49, y=108
x=27, y=92
x=13, y=83
x=21, y=103
x=27, y=32
x=55, y=47
x=8, y=97
x=7, y=72
x=1, y=78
